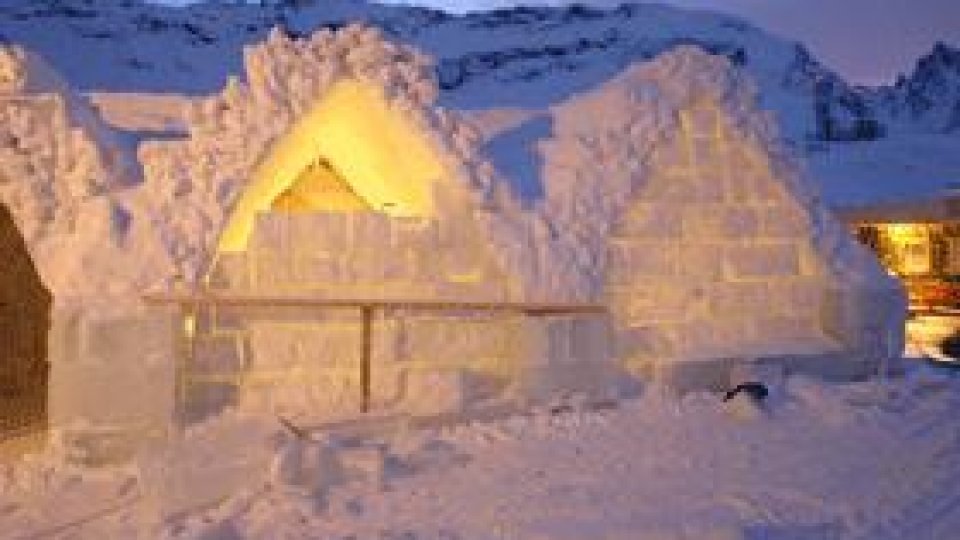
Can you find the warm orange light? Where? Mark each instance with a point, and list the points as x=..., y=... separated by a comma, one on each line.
x=387, y=165
x=912, y=252
x=901, y=233
x=319, y=189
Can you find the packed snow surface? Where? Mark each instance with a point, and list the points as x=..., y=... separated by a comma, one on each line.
x=859, y=461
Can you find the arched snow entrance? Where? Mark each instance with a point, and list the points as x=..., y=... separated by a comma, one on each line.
x=351, y=152
x=24, y=323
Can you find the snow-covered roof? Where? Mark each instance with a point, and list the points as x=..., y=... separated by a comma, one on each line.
x=545, y=185
x=62, y=165
x=939, y=208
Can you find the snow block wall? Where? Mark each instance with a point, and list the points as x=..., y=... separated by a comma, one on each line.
x=112, y=386
x=670, y=196
x=299, y=366
x=307, y=366
x=366, y=255
x=303, y=364
x=714, y=257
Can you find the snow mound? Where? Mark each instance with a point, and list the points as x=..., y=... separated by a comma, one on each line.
x=60, y=167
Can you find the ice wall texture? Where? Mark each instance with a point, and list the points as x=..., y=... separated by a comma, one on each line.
x=365, y=255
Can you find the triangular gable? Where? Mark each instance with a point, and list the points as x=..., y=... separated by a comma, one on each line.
x=320, y=188
x=386, y=161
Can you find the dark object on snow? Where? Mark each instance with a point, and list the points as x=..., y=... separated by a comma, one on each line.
x=755, y=390
x=951, y=346
x=946, y=355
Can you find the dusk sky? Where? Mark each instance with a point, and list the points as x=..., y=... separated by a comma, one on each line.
x=867, y=41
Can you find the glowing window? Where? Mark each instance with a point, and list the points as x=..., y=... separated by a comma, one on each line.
x=319, y=188
x=916, y=258
x=351, y=151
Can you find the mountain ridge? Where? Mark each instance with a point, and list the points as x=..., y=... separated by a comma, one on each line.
x=543, y=54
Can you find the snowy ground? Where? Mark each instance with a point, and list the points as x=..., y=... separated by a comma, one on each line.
x=861, y=461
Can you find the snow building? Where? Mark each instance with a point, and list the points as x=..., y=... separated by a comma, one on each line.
x=918, y=240
x=718, y=251
x=325, y=240
x=352, y=263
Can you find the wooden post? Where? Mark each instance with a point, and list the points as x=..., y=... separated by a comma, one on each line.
x=365, y=360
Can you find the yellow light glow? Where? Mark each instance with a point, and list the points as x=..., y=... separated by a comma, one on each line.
x=910, y=250
x=905, y=232
x=189, y=326
x=319, y=188
x=386, y=163
x=474, y=276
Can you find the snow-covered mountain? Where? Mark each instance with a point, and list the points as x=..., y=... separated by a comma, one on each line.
x=523, y=57
x=929, y=98
x=543, y=53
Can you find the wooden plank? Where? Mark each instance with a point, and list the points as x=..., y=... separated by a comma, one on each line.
x=193, y=304
x=531, y=308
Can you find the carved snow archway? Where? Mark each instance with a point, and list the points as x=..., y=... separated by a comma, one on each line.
x=24, y=323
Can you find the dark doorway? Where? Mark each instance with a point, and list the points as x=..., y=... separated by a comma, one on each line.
x=24, y=323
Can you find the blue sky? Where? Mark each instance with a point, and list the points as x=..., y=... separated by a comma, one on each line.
x=868, y=41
